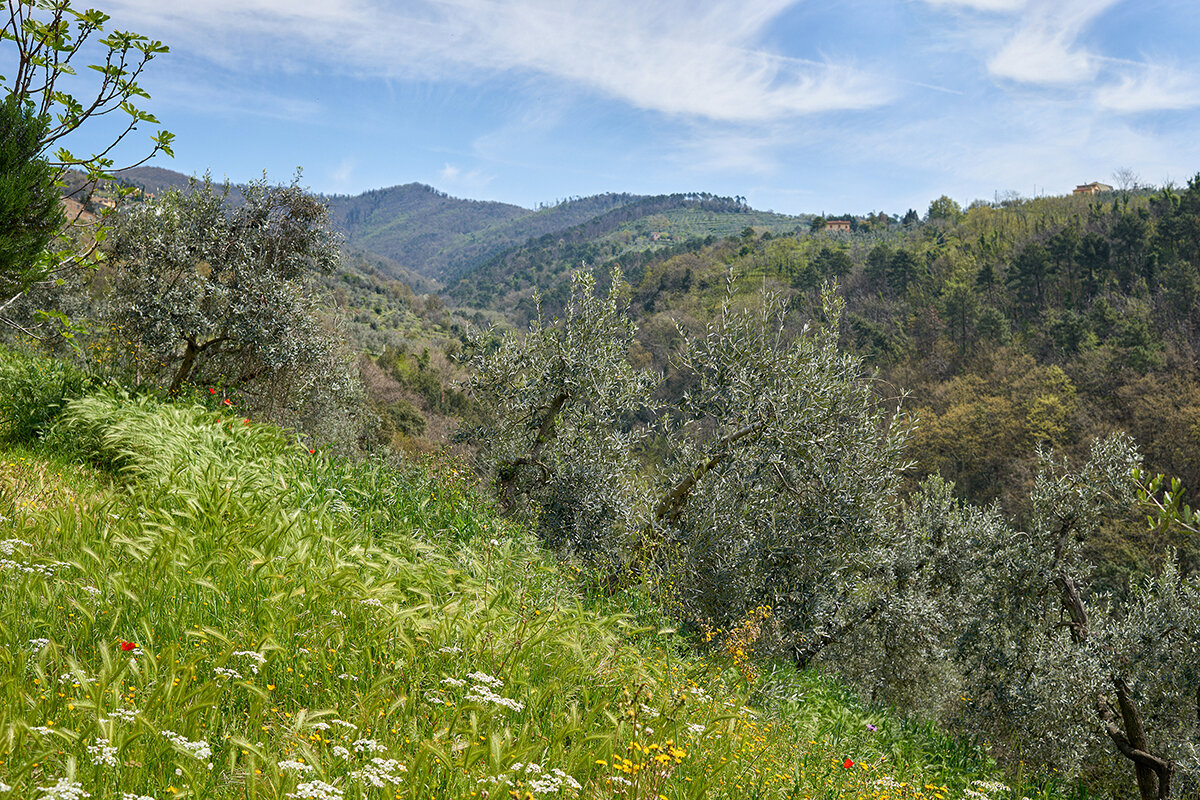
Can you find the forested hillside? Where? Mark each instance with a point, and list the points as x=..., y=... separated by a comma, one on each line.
x=441, y=237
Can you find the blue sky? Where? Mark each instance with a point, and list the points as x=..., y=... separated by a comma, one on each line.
x=800, y=106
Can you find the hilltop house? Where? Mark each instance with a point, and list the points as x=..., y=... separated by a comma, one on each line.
x=837, y=225
x=1095, y=187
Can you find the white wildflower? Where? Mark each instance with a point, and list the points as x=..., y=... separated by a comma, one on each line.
x=341, y=752
x=63, y=790
x=695, y=729
x=451, y=650
x=454, y=682
x=374, y=602
x=42, y=729
x=344, y=724
x=294, y=766
x=132, y=796
x=316, y=790
x=126, y=715
x=92, y=590
x=103, y=753
x=198, y=750
x=346, y=676
x=336, y=613
x=483, y=677
x=482, y=694
x=258, y=658
x=9, y=545
x=555, y=781
x=368, y=745
x=380, y=772
x=36, y=645
x=225, y=672
x=991, y=786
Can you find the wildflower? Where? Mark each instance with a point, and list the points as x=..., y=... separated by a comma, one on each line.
x=103, y=753
x=246, y=422
x=847, y=764
x=380, y=772
x=453, y=682
x=483, y=677
x=452, y=649
x=871, y=727
x=341, y=752
x=294, y=766
x=211, y=390
x=127, y=646
x=258, y=658
x=482, y=694
x=368, y=745
x=200, y=750
x=63, y=790
x=316, y=790
x=226, y=402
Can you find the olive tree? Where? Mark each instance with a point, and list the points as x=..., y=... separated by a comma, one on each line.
x=769, y=476
x=561, y=402
x=203, y=291
x=999, y=627
x=783, y=467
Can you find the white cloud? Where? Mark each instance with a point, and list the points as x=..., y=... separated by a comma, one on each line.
x=1003, y=6
x=341, y=175
x=1045, y=50
x=227, y=100
x=668, y=56
x=1153, y=87
x=450, y=172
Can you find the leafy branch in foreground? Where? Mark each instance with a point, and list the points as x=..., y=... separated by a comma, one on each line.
x=47, y=38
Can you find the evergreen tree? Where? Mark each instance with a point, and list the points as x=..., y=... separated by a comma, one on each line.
x=30, y=211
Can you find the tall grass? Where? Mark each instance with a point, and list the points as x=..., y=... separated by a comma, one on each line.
x=232, y=616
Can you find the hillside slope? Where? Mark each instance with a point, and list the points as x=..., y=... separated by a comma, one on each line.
x=214, y=612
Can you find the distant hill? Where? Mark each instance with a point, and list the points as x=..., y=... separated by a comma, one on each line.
x=643, y=224
x=444, y=237
x=153, y=180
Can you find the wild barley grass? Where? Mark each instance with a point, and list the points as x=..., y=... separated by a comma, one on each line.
x=235, y=617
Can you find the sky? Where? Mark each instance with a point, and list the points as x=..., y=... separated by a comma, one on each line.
x=800, y=106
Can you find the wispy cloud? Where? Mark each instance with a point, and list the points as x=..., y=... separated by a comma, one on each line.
x=232, y=100
x=1151, y=87
x=1045, y=48
x=982, y=5
x=671, y=56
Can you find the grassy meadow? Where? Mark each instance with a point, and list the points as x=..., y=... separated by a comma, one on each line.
x=192, y=605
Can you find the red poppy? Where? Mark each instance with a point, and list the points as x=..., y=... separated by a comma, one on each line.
x=245, y=422
x=227, y=402
x=847, y=764
x=211, y=390
x=312, y=451
x=127, y=646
